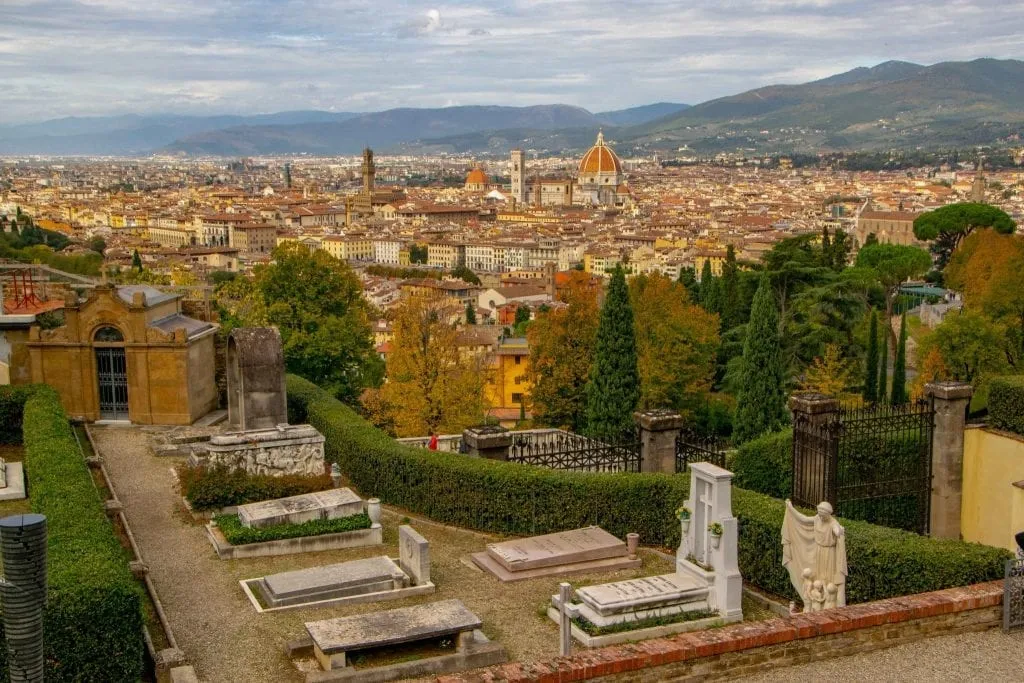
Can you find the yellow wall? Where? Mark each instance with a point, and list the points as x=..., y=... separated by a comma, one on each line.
x=501, y=384
x=993, y=508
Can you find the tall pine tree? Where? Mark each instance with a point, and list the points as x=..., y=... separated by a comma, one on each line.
x=613, y=390
x=688, y=279
x=899, y=370
x=871, y=370
x=730, y=291
x=826, y=248
x=883, y=364
x=761, y=401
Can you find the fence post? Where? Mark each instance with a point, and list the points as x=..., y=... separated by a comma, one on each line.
x=949, y=400
x=659, y=429
x=487, y=441
x=814, y=475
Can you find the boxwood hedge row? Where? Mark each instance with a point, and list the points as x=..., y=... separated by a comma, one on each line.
x=517, y=499
x=93, y=618
x=1006, y=404
x=12, y=406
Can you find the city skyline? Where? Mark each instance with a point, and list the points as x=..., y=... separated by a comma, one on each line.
x=103, y=57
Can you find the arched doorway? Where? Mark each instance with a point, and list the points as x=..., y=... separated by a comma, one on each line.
x=111, y=373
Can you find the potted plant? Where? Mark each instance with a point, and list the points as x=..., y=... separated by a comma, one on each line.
x=715, y=529
x=683, y=514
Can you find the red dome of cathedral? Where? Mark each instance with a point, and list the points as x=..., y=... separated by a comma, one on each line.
x=600, y=159
x=476, y=177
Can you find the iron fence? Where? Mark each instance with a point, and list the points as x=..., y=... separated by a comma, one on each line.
x=1013, y=595
x=560, y=450
x=871, y=463
x=694, y=447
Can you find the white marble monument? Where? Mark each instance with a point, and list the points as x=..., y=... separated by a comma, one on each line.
x=814, y=553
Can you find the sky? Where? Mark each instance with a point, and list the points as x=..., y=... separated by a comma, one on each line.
x=99, y=57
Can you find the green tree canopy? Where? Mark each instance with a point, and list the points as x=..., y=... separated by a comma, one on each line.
x=893, y=264
x=945, y=227
x=613, y=390
x=870, y=391
x=466, y=275
x=317, y=303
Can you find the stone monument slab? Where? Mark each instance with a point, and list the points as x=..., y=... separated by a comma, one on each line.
x=14, y=481
x=357, y=577
x=330, y=504
x=414, y=554
x=579, y=550
x=643, y=593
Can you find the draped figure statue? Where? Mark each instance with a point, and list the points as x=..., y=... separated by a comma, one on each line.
x=814, y=554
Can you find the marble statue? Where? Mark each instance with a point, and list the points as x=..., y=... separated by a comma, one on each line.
x=814, y=554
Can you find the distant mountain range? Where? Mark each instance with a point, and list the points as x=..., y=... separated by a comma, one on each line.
x=892, y=105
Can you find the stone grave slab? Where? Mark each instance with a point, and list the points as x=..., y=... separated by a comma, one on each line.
x=414, y=554
x=589, y=549
x=329, y=504
x=358, y=577
x=333, y=639
x=14, y=481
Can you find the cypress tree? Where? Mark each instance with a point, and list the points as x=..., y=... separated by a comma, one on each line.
x=688, y=279
x=899, y=370
x=613, y=390
x=761, y=401
x=871, y=371
x=470, y=313
x=826, y=248
x=883, y=364
x=136, y=261
x=730, y=290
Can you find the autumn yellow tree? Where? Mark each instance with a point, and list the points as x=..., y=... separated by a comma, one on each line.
x=830, y=374
x=676, y=343
x=432, y=385
x=561, y=352
x=933, y=369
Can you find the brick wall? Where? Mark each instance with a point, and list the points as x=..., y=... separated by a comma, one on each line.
x=750, y=647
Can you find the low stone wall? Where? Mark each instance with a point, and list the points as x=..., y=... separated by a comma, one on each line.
x=290, y=546
x=750, y=647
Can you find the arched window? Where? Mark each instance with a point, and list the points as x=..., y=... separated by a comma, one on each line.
x=108, y=333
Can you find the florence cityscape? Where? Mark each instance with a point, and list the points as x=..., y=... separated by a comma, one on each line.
x=525, y=341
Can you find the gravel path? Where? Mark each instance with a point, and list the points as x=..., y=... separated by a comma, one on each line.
x=982, y=656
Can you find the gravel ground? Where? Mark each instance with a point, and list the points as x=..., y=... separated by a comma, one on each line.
x=226, y=640
x=982, y=656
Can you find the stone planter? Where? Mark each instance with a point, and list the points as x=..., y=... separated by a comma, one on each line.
x=716, y=540
x=373, y=510
x=685, y=524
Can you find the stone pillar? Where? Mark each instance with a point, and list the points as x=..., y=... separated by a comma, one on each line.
x=658, y=432
x=950, y=400
x=813, y=468
x=487, y=442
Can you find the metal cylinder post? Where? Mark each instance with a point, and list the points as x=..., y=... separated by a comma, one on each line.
x=23, y=593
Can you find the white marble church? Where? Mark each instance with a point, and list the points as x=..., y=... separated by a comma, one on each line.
x=599, y=181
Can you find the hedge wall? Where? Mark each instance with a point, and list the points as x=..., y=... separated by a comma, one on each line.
x=12, y=406
x=93, y=618
x=517, y=499
x=1006, y=404
x=765, y=464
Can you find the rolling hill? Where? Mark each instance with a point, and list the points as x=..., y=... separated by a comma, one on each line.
x=635, y=116
x=892, y=104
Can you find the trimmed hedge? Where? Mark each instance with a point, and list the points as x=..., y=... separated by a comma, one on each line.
x=1006, y=404
x=93, y=617
x=765, y=464
x=12, y=408
x=218, y=487
x=237, y=534
x=510, y=498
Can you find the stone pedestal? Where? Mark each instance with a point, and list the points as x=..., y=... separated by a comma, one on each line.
x=659, y=430
x=285, y=449
x=814, y=407
x=488, y=441
x=950, y=400
x=812, y=467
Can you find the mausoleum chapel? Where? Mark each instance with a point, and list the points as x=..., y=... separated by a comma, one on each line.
x=128, y=353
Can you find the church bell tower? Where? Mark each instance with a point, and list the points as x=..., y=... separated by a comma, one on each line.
x=518, y=176
x=369, y=170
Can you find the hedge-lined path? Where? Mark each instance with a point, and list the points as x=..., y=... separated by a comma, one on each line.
x=226, y=640
x=983, y=656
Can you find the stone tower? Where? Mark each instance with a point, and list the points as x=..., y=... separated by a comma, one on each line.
x=369, y=171
x=979, y=185
x=518, y=177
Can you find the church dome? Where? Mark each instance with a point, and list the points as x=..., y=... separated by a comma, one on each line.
x=600, y=159
x=476, y=177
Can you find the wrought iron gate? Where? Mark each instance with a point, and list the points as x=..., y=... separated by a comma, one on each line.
x=872, y=464
x=112, y=372
x=694, y=447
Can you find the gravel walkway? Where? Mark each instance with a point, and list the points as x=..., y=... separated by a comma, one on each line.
x=983, y=656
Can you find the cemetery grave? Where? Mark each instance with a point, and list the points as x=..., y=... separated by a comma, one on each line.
x=324, y=520
x=586, y=550
x=367, y=580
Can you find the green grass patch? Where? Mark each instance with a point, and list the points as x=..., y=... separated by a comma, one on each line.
x=213, y=488
x=236, y=534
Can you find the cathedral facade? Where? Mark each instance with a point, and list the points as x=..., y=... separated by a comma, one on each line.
x=599, y=181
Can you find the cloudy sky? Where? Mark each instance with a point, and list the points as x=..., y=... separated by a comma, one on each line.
x=90, y=57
